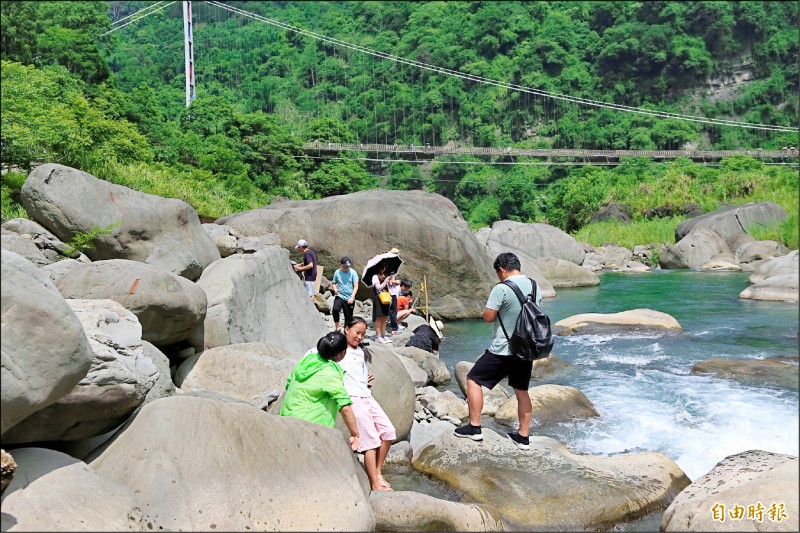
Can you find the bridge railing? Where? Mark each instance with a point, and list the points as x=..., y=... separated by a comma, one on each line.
x=548, y=152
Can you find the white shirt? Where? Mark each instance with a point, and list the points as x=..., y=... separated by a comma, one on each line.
x=355, y=372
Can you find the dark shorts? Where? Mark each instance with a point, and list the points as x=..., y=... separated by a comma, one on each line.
x=490, y=369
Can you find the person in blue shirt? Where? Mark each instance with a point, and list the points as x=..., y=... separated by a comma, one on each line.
x=498, y=362
x=344, y=286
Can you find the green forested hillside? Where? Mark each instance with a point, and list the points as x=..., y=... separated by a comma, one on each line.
x=113, y=105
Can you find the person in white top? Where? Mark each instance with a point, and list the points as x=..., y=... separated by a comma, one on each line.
x=376, y=431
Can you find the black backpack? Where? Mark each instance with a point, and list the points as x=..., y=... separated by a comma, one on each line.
x=532, y=338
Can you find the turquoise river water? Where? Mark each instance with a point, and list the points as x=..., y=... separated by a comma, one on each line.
x=641, y=384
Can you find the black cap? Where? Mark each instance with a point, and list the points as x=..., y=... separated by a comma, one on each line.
x=345, y=261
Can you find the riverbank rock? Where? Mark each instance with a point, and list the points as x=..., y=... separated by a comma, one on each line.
x=244, y=371
x=23, y=247
x=117, y=382
x=257, y=298
x=548, y=487
x=732, y=222
x=418, y=376
x=784, y=288
x=780, y=371
x=164, y=232
x=425, y=431
x=527, y=261
x=739, y=483
x=721, y=263
x=612, y=211
x=45, y=349
x=537, y=240
x=432, y=236
x=607, y=257
x=43, y=239
x=412, y=511
x=436, y=370
x=54, y=492
x=778, y=266
x=694, y=250
x=758, y=250
x=563, y=273
x=168, y=307
x=631, y=321
x=183, y=455
x=551, y=403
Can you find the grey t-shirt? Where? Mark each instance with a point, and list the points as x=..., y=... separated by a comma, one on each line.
x=503, y=299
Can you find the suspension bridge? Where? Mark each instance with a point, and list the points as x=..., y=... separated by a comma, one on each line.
x=396, y=129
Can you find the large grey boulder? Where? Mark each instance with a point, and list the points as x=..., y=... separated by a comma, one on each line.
x=527, y=259
x=784, y=288
x=732, y=222
x=433, y=239
x=412, y=511
x=246, y=372
x=163, y=386
x=551, y=403
x=425, y=431
x=51, y=491
x=535, y=240
x=169, y=307
x=418, y=376
x=45, y=351
x=633, y=320
x=694, y=250
x=257, y=298
x=780, y=371
x=787, y=265
x=117, y=382
x=164, y=232
x=743, y=480
x=23, y=247
x=200, y=465
x=563, y=273
x=548, y=488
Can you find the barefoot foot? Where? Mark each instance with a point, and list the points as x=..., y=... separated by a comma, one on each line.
x=382, y=482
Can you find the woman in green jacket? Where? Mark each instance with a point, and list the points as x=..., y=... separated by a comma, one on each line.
x=315, y=389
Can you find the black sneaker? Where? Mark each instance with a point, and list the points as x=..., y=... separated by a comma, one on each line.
x=469, y=431
x=523, y=443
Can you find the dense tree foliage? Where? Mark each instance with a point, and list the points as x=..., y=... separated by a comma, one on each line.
x=72, y=93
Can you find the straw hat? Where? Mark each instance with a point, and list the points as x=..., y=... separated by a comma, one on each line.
x=437, y=326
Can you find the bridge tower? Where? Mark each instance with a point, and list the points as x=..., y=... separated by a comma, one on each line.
x=188, y=49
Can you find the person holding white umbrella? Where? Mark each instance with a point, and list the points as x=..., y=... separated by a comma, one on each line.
x=375, y=276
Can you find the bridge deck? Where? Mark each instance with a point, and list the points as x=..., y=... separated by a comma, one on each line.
x=430, y=151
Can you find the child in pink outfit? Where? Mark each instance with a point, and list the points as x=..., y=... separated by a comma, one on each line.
x=375, y=430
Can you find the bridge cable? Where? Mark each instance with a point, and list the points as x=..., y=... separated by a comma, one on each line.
x=137, y=19
x=480, y=79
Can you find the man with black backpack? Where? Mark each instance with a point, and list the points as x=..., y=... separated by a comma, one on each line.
x=499, y=361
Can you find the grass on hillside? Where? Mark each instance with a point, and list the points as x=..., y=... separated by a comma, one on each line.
x=634, y=233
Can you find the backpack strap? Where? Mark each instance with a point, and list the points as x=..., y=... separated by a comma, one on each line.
x=520, y=297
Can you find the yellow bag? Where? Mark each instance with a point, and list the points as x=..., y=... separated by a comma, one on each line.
x=384, y=297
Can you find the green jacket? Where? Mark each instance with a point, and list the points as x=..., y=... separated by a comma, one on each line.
x=315, y=390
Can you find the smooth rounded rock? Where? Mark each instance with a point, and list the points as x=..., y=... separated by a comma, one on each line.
x=779, y=371
x=51, y=491
x=45, y=351
x=634, y=320
x=551, y=403
x=548, y=488
x=743, y=480
x=200, y=465
x=412, y=511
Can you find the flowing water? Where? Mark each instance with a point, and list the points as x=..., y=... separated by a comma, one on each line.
x=641, y=384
